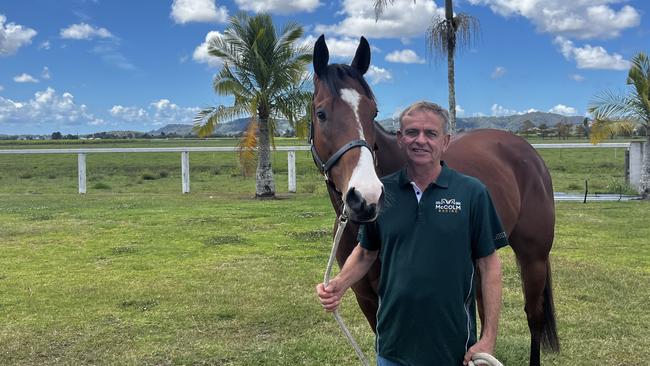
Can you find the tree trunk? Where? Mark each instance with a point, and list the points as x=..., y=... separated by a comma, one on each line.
x=265, y=184
x=644, y=183
x=451, y=80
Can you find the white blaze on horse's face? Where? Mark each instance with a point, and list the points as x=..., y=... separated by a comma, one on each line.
x=364, y=179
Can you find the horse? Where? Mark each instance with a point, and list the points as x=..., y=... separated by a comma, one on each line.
x=352, y=151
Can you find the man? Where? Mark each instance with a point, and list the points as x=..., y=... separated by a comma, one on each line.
x=435, y=226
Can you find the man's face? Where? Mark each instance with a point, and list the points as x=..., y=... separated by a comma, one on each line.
x=422, y=139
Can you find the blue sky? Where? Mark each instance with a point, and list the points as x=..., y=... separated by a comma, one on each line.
x=80, y=66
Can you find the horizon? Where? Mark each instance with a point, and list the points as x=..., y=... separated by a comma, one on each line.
x=85, y=66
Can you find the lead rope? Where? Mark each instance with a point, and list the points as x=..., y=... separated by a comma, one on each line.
x=486, y=359
x=343, y=220
x=478, y=359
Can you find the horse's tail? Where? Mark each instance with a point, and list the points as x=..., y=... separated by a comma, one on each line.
x=550, y=340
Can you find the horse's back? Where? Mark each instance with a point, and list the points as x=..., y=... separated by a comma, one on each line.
x=512, y=170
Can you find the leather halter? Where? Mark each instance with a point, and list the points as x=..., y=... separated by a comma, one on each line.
x=325, y=167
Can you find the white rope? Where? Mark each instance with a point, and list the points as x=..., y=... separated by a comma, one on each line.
x=480, y=358
x=343, y=220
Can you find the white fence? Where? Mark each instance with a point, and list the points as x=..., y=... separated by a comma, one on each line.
x=634, y=158
x=185, y=159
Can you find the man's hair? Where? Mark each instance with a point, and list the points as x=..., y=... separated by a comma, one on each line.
x=424, y=106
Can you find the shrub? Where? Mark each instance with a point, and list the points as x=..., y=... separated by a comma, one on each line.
x=101, y=185
x=25, y=176
x=163, y=174
x=149, y=176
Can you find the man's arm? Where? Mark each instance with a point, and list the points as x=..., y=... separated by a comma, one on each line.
x=490, y=272
x=355, y=267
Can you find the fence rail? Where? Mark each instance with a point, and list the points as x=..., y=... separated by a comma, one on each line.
x=634, y=157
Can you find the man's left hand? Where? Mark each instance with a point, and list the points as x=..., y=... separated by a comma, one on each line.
x=484, y=345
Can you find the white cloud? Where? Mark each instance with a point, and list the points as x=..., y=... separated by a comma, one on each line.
x=129, y=114
x=377, y=75
x=500, y=111
x=589, y=57
x=44, y=45
x=46, y=107
x=582, y=19
x=403, y=19
x=278, y=6
x=45, y=74
x=13, y=36
x=160, y=112
x=201, y=54
x=405, y=56
x=577, y=77
x=564, y=110
x=206, y=11
x=25, y=78
x=83, y=31
x=459, y=111
x=2, y=88
x=498, y=72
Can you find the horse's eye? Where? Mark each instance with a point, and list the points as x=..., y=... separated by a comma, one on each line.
x=376, y=114
x=321, y=115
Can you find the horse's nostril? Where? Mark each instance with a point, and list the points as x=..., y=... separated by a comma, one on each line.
x=354, y=200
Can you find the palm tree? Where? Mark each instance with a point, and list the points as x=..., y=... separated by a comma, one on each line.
x=615, y=113
x=444, y=36
x=265, y=72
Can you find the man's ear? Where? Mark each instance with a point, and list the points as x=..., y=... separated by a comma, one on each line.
x=445, y=143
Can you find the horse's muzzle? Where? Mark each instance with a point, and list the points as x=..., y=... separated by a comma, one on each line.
x=360, y=210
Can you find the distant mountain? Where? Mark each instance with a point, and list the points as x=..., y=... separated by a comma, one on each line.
x=511, y=123
x=233, y=128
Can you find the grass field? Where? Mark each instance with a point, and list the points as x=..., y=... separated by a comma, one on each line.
x=136, y=273
x=157, y=279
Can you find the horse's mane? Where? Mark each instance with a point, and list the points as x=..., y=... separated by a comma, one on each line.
x=336, y=76
x=383, y=130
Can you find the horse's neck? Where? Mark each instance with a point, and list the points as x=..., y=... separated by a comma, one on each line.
x=389, y=157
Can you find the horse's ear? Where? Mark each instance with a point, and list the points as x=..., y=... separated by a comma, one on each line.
x=321, y=56
x=361, y=60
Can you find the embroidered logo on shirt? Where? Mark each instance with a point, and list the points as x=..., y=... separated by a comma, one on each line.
x=448, y=205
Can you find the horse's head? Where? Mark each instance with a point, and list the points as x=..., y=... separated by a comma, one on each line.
x=342, y=132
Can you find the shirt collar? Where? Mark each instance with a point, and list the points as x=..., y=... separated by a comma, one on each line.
x=442, y=181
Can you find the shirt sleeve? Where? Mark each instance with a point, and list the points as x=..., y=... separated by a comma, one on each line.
x=487, y=231
x=369, y=236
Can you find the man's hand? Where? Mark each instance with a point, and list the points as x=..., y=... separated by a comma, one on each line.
x=330, y=296
x=484, y=345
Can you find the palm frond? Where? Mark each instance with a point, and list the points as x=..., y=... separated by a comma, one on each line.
x=444, y=36
x=602, y=129
x=207, y=119
x=247, y=148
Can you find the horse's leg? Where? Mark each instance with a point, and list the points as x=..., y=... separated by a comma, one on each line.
x=532, y=251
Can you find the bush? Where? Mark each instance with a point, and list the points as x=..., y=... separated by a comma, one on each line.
x=101, y=185
x=25, y=176
x=163, y=174
x=149, y=176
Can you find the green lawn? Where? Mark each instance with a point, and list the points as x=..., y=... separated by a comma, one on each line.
x=218, y=278
x=136, y=273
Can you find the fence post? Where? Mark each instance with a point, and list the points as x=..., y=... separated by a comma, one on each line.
x=636, y=162
x=291, y=170
x=81, y=169
x=185, y=170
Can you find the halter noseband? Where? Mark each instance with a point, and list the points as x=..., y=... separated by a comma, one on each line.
x=326, y=166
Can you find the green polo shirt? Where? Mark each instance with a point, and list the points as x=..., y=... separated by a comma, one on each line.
x=426, y=310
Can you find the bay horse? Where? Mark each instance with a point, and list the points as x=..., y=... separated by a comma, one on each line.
x=344, y=138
